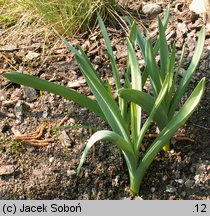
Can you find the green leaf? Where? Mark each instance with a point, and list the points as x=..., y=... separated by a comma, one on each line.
x=178, y=120
x=189, y=74
x=133, y=33
x=147, y=102
x=135, y=84
x=164, y=54
x=153, y=69
x=140, y=37
x=115, y=139
x=165, y=23
x=105, y=101
x=172, y=82
x=110, y=52
x=44, y=85
x=153, y=112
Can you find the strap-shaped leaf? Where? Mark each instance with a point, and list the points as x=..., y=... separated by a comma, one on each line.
x=164, y=54
x=178, y=120
x=189, y=73
x=172, y=82
x=140, y=38
x=110, y=53
x=153, y=112
x=153, y=69
x=105, y=101
x=165, y=23
x=44, y=85
x=147, y=102
x=135, y=84
x=115, y=139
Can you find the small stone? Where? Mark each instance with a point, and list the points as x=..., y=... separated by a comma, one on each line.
x=30, y=94
x=165, y=177
x=137, y=198
x=86, y=174
x=197, y=179
x=177, y=174
x=7, y=169
x=189, y=183
x=192, y=169
x=152, y=189
x=182, y=72
x=45, y=114
x=170, y=189
x=151, y=9
x=71, y=173
x=9, y=47
x=172, y=151
x=183, y=193
x=77, y=83
x=51, y=159
x=65, y=140
x=94, y=191
x=19, y=111
x=31, y=55
x=180, y=181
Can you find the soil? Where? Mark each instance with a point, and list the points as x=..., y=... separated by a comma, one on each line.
x=48, y=172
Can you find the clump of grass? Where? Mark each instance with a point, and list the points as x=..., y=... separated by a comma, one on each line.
x=18, y=20
x=9, y=12
x=70, y=16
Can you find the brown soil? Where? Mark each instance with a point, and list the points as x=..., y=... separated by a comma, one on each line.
x=48, y=172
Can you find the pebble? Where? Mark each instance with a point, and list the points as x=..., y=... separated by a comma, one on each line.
x=65, y=140
x=189, y=183
x=7, y=169
x=19, y=112
x=51, y=159
x=70, y=173
x=183, y=193
x=172, y=151
x=45, y=114
x=30, y=94
x=152, y=189
x=197, y=179
x=182, y=72
x=180, y=181
x=77, y=83
x=151, y=9
x=9, y=47
x=31, y=55
x=165, y=177
x=94, y=191
x=170, y=189
x=177, y=174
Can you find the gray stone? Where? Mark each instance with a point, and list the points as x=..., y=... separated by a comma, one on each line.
x=7, y=169
x=70, y=173
x=65, y=140
x=182, y=72
x=189, y=183
x=31, y=55
x=51, y=159
x=30, y=94
x=9, y=47
x=151, y=9
x=152, y=189
x=170, y=189
x=180, y=181
x=77, y=83
x=45, y=114
x=19, y=111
